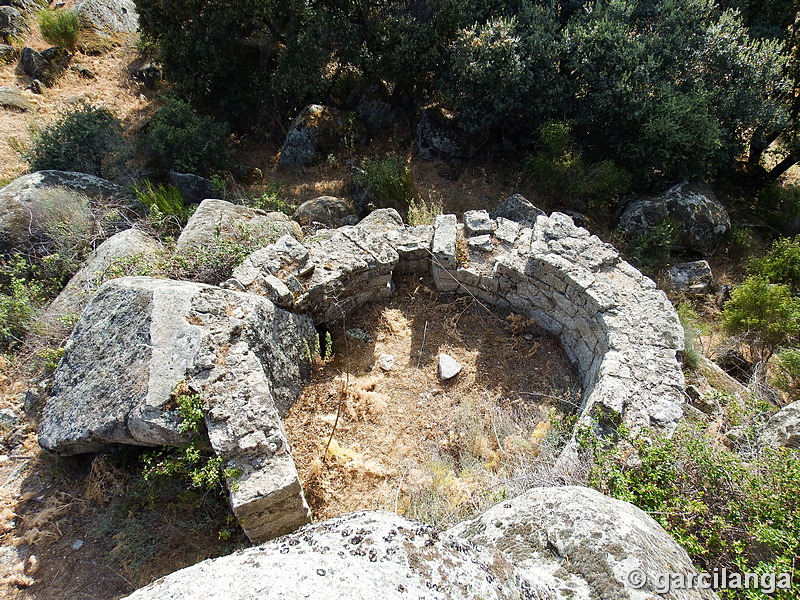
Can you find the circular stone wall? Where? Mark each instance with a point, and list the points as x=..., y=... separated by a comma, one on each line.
x=620, y=331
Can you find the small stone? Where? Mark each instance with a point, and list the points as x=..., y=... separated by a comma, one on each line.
x=77, y=544
x=481, y=242
x=386, y=362
x=358, y=334
x=477, y=222
x=449, y=367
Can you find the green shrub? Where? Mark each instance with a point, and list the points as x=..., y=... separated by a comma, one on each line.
x=765, y=314
x=19, y=302
x=693, y=328
x=180, y=139
x=651, y=250
x=166, y=209
x=87, y=139
x=388, y=182
x=60, y=27
x=560, y=170
x=726, y=512
x=779, y=207
x=781, y=264
x=422, y=212
x=787, y=377
x=194, y=462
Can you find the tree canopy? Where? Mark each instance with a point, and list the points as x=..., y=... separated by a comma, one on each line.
x=665, y=88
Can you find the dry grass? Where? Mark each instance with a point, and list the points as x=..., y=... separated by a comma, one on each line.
x=112, y=87
x=406, y=441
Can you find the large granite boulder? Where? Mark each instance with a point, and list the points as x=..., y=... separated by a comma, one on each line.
x=362, y=556
x=15, y=99
x=218, y=220
x=325, y=211
x=67, y=306
x=783, y=428
x=583, y=545
x=109, y=16
x=46, y=66
x=140, y=338
x=318, y=131
x=549, y=544
x=517, y=208
x=35, y=207
x=193, y=188
x=13, y=23
x=701, y=220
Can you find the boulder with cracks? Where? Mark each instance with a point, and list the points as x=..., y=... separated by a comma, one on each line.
x=139, y=338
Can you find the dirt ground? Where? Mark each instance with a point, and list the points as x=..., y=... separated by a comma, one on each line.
x=406, y=441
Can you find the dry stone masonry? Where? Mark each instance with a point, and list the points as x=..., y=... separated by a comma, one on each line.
x=244, y=346
x=620, y=331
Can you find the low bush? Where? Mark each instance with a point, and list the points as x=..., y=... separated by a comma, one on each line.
x=726, y=512
x=765, y=314
x=60, y=27
x=423, y=212
x=650, y=251
x=388, y=182
x=560, y=170
x=781, y=264
x=87, y=139
x=180, y=139
x=167, y=211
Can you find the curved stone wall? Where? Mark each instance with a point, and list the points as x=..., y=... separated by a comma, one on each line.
x=620, y=331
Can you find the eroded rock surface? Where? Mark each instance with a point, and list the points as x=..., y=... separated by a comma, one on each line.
x=219, y=220
x=700, y=220
x=30, y=204
x=584, y=545
x=140, y=337
x=362, y=556
x=783, y=428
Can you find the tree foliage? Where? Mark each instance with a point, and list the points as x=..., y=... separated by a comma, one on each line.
x=664, y=88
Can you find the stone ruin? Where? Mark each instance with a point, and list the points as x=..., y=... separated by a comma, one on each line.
x=244, y=346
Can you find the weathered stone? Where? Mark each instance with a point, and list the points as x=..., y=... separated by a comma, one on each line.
x=481, y=242
x=584, y=545
x=385, y=362
x=477, y=222
x=316, y=132
x=13, y=23
x=382, y=219
x=109, y=16
x=11, y=97
x=331, y=275
x=361, y=556
x=30, y=204
x=449, y=367
x=783, y=428
x=691, y=277
x=443, y=252
x=139, y=338
x=413, y=245
x=193, y=188
x=7, y=54
x=325, y=211
x=701, y=220
x=45, y=66
x=216, y=220
x=57, y=320
x=373, y=106
x=439, y=137
x=517, y=208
